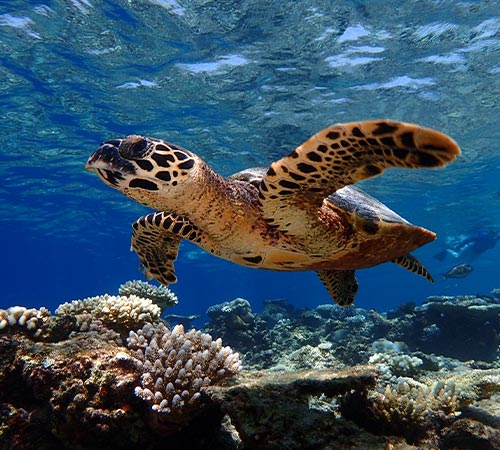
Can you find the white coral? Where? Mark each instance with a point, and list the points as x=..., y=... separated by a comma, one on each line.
x=177, y=366
x=29, y=318
x=129, y=311
x=160, y=295
x=398, y=364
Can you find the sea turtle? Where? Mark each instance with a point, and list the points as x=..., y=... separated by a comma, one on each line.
x=299, y=214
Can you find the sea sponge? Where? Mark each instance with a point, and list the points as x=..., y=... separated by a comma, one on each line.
x=177, y=366
x=124, y=311
x=160, y=295
x=30, y=319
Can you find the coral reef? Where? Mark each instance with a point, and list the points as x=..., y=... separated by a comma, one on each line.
x=79, y=393
x=272, y=410
x=118, y=312
x=444, y=326
x=309, y=357
x=176, y=367
x=31, y=319
x=449, y=326
x=234, y=315
x=160, y=295
x=38, y=324
x=409, y=409
x=77, y=384
x=420, y=410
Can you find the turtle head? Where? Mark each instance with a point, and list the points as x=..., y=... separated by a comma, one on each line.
x=147, y=170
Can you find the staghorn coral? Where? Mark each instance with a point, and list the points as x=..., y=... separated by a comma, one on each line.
x=178, y=366
x=32, y=320
x=160, y=295
x=115, y=311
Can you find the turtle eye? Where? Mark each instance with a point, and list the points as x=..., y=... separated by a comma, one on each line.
x=134, y=147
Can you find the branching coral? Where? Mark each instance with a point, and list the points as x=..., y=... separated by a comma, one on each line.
x=398, y=364
x=410, y=409
x=18, y=316
x=125, y=311
x=160, y=295
x=177, y=366
x=412, y=404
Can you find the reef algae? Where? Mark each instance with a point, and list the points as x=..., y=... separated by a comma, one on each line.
x=82, y=385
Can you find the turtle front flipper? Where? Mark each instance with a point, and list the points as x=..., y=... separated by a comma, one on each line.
x=341, y=155
x=409, y=262
x=341, y=284
x=156, y=238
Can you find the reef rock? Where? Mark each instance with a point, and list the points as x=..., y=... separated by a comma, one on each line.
x=465, y=327
x=74, y=381
x=79, y=392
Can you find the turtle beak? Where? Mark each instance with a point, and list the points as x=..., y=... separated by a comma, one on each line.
x=108, y=158
x=109, y=166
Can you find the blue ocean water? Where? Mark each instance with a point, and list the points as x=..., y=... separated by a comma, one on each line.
x=241, y=84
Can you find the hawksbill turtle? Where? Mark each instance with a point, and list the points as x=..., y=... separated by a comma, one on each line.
x=302, y=213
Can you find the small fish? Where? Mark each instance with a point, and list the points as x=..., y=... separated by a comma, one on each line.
x=459, y=271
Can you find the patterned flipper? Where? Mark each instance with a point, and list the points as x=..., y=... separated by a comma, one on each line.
x=156, y=238
x=344, y=154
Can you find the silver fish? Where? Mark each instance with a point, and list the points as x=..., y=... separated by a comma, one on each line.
x=459, y=271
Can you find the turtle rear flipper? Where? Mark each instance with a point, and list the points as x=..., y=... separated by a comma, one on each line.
x=409, y=262
x=156, y=238
x=295, y=186
x=341, y=285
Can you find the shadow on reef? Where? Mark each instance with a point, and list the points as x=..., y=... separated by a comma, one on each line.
x=106, y=372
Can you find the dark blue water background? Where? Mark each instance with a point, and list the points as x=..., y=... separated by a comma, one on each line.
x=241, y=84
